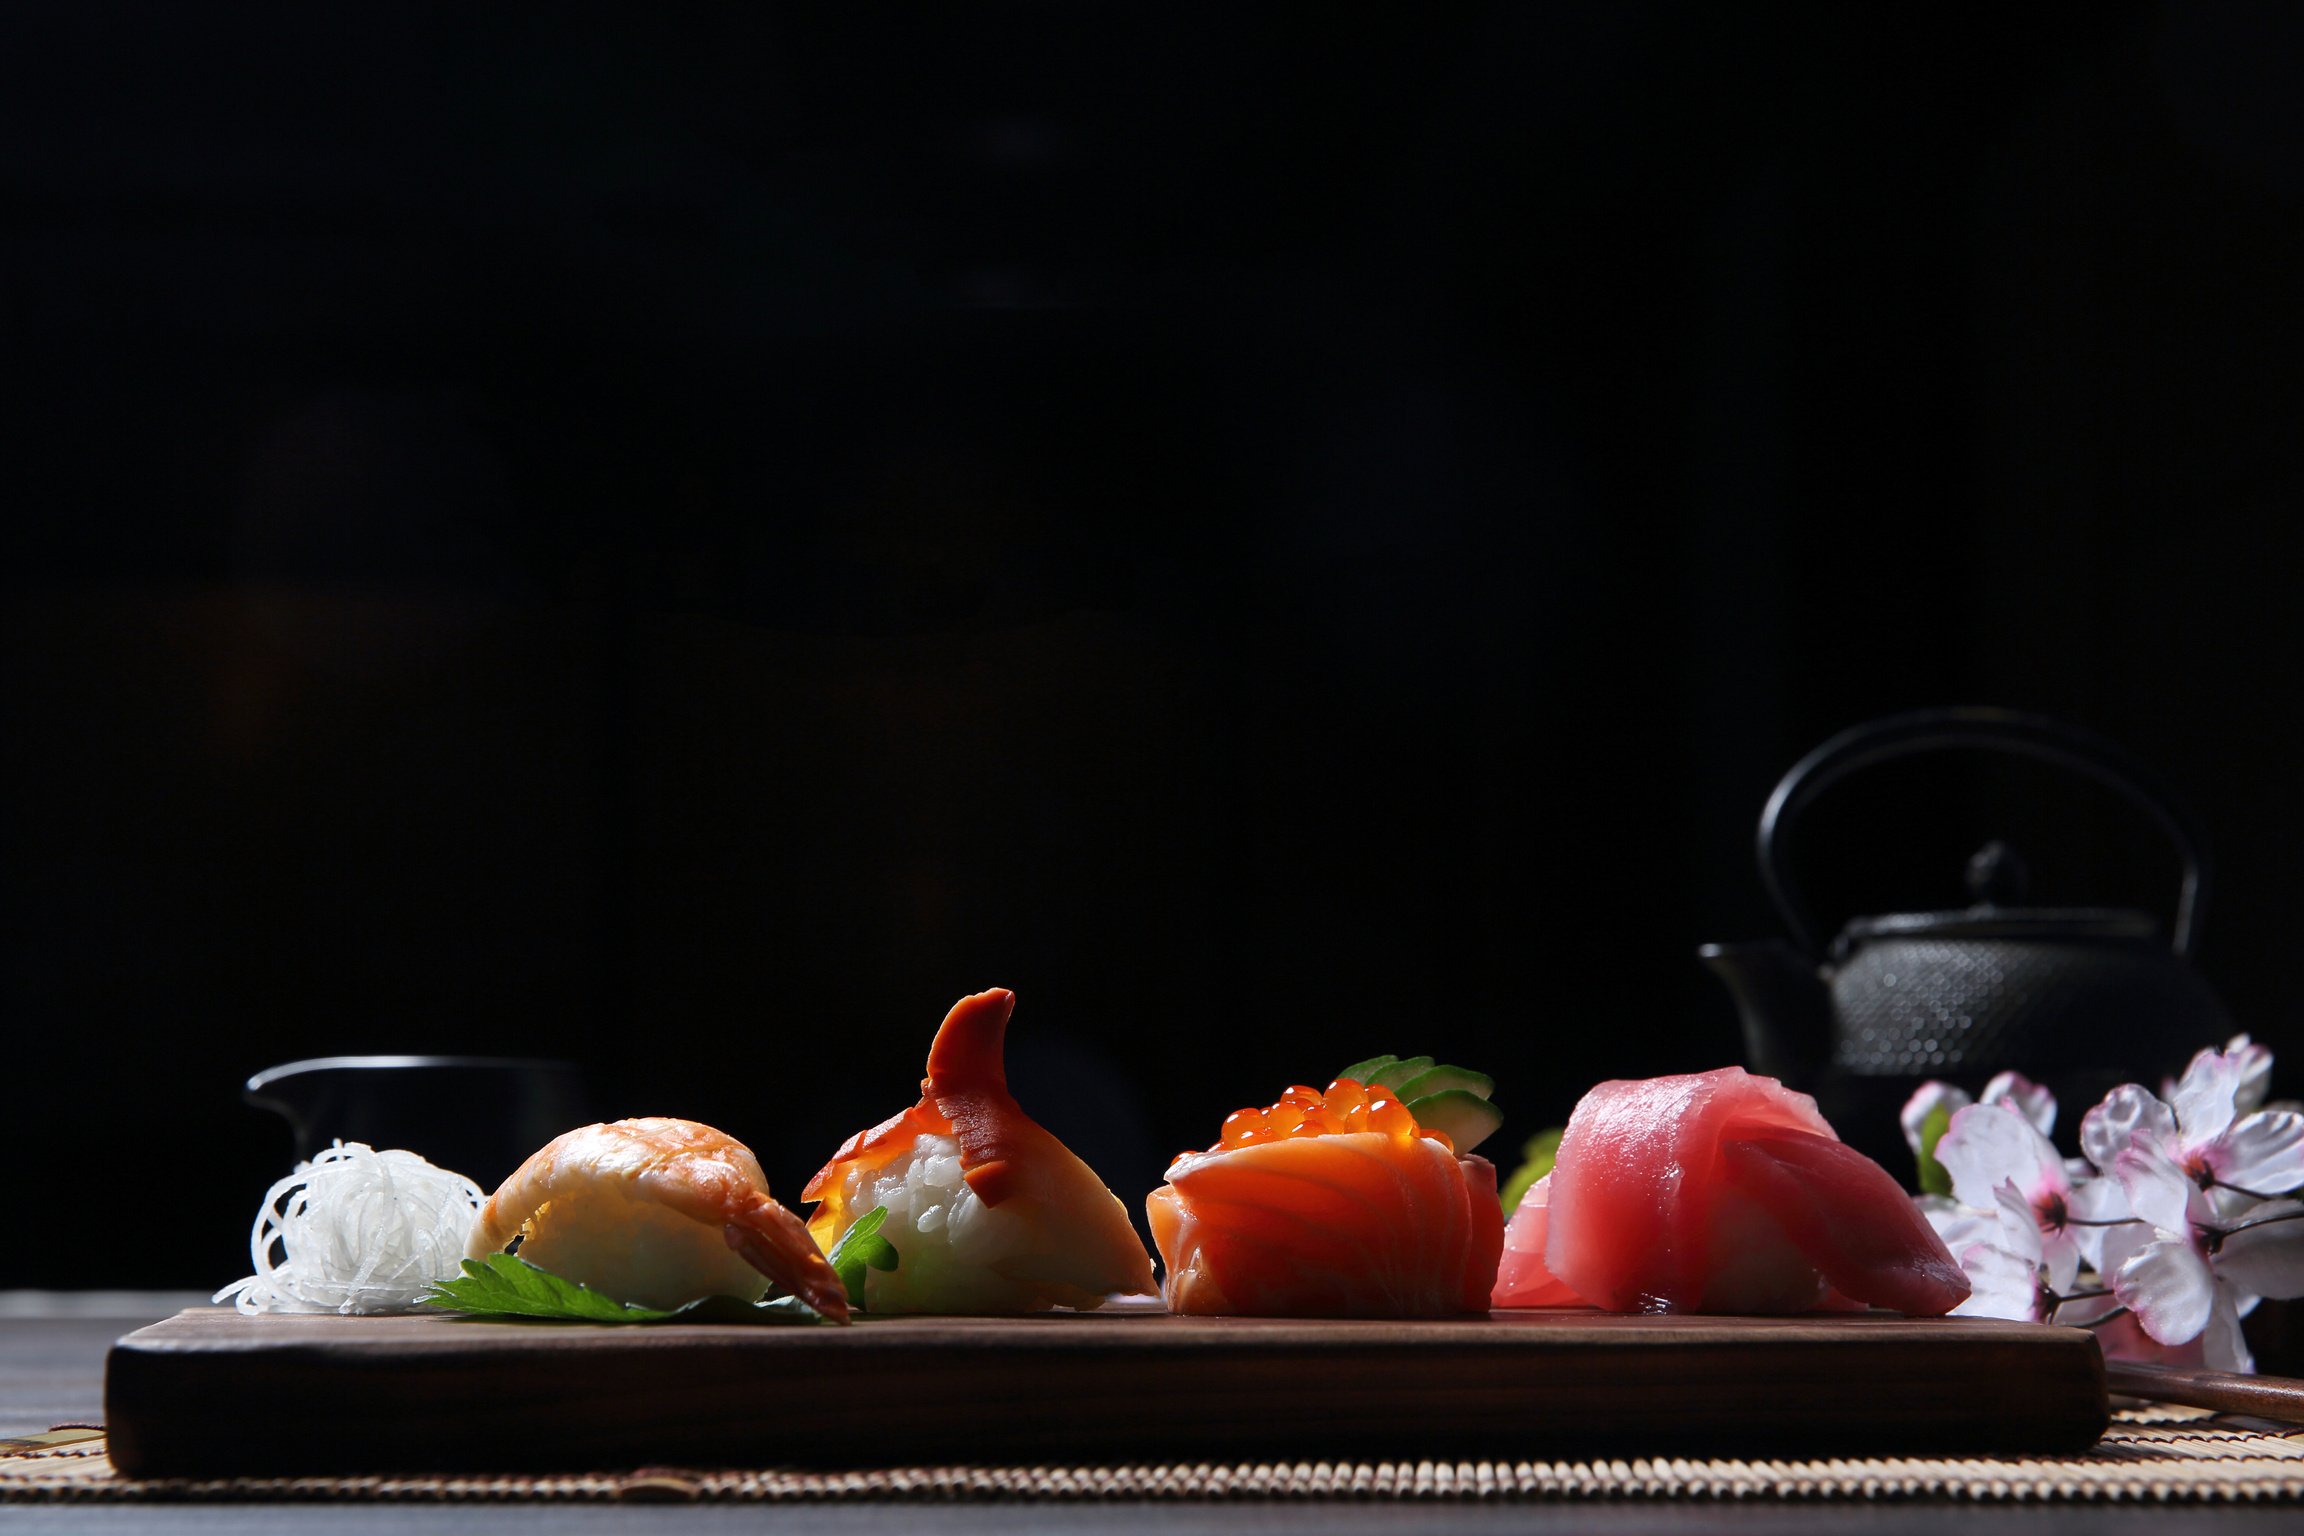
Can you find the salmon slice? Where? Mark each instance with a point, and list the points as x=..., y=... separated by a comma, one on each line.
x=1721, y=1192
x=1375, y=1218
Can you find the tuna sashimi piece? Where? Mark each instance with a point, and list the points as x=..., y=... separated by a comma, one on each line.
x=1723, y=1192
x=1521, y=1278
x=1373, y=1219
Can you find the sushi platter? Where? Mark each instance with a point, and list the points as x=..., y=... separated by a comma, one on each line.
x=215, y=1393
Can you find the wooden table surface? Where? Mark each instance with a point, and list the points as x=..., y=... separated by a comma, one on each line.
x=52, y=1369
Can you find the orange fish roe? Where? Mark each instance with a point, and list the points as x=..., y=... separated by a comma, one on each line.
x=1347, y=1106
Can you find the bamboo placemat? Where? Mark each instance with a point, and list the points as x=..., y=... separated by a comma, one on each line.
x=2150, y=1455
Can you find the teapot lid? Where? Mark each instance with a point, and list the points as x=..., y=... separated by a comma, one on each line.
x=1986, y=920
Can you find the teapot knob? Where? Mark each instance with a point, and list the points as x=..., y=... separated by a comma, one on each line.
x=1997, y=876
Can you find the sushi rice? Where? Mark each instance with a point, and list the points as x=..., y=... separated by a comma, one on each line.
x=954, y=1252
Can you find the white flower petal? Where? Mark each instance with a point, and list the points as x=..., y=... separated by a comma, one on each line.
x=2168, y=1286
x=1956, y=1224
x=2255, y=1064
x=2262, y=1153
x=2093, y=1201
x=2264, y=1253
x=2128, y=1111
x=2203, y=1097
x=2060, y=1259
x=1925, y=1101
x=2028, y=1098
x=1991, y=1142
x=2223, y=1346
x=2019, y=1228
x=2157, y=1189
x=2000, y=1284
x=2122, y=1243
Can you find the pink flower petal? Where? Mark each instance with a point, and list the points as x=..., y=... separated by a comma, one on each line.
x=2263, y=1254
x=2262, y=1153
x=2026, y=1097
x=2128, y=1111
x=1991, y=1142
x=2204, y=1095
x=2121, y=1339
x=2168, y=1286
x=1925, y=1101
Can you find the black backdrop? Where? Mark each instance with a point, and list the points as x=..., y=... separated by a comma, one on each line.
x=687, y=542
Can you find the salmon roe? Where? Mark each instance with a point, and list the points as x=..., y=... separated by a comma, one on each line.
x=1346, y=1106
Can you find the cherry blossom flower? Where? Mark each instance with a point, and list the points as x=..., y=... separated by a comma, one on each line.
x=2171, y=1229
x=2191, y=1269
x=2239, y=1157
x=1990, y=1148
x=2002, y=1253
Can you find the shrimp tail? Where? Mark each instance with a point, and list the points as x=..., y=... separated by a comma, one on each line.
x=772, y=1240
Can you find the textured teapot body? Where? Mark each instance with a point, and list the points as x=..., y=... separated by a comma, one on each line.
x=1923, y=1006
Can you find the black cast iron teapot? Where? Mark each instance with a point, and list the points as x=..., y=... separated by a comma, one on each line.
x=2080, y=998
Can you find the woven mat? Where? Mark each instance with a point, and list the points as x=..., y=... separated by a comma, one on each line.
x=2150, y=1455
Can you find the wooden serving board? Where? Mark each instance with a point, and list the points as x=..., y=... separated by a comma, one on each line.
x=213, y=1393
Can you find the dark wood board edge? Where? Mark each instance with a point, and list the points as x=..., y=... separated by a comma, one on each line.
x=191, y=1397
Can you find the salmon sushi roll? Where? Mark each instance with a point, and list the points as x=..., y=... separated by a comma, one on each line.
x=1336, y=1204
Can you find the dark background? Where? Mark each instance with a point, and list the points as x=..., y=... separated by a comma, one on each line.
x=688, y=541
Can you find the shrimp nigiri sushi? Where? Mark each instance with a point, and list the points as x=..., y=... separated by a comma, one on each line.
x=1336, y=1204
x=987, y=1211
x=656, y=1212
x=1719, y=1192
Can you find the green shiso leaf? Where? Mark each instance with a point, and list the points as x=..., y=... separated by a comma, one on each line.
x=1933, y=1179
x=1542, y=1151
x=506, y=1285
x=862, y=1246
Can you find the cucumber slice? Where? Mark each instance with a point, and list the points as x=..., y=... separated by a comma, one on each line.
x=1400, y=1071
x=1441, y=1079
x=1362, y=1072
x=1467, y=1118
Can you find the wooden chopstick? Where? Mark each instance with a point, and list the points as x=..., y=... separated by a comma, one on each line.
x=2265, y=1397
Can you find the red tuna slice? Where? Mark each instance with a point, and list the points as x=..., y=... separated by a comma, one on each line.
x=1851, y=1220
x=1521, y=1278
x=1651, y=1211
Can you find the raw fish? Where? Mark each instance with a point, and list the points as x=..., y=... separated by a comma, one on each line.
x=1719, y=1192
x=1335, y=1205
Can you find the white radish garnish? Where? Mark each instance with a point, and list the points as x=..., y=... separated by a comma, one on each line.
x=357, y=1231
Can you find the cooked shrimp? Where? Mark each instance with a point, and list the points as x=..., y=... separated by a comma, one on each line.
x=660, y=1213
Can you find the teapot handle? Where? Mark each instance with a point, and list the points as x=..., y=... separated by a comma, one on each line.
x=2002, y=730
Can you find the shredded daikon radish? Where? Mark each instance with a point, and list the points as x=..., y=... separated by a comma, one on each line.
x=358, y=1231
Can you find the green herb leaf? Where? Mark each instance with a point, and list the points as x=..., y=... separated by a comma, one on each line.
x=1538, y=1156
x=506, y=1285
x=861, y=1246
x=1934, y=1180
